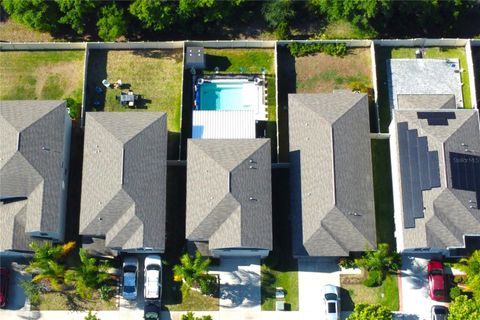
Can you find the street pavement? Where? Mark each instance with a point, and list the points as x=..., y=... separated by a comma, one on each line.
x=239, y=283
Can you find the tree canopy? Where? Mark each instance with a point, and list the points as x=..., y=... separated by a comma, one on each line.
x=111, y=24
x=370, y=312
x=464, y=308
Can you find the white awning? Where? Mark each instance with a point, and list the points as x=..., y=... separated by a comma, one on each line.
x=223, y=124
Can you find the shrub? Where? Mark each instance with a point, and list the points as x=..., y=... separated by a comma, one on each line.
x=32, y=292
x=74, y=108
x=304, y=49
x=208, y=285
x=347, y=263
x=105, y=292
x=374, y=278
x=91, y=316
x=191, y=316
x=282, y=31
x=455, y=292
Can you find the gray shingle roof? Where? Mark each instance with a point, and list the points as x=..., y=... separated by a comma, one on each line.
x=426, y=101
x=31, y=165
x=124, y=179
x=229, y=193
x=450, y=209
x=331, y=174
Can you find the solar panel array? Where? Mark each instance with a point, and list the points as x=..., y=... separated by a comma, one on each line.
x=419, y=171
x=465, y=173
x=436, y=118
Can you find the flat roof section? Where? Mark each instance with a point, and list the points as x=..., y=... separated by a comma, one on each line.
x=430, y=77
x=223, y=125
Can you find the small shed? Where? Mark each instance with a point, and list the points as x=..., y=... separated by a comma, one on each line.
x=195, y=57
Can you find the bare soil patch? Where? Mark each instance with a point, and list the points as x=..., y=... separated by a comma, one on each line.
x=324, y=73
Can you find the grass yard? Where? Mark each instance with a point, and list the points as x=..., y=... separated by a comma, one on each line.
x=382, y=182
x=323, y=73
x=249, y=61
x=67, y=300
x=476, y=67
x=156, y=75
x=195, y=302
x=41, y=75
x=16, y=32
x=287, y=279
x=386, y=294
x=279, y=269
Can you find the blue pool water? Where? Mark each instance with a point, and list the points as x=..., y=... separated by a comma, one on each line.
x=226, y=96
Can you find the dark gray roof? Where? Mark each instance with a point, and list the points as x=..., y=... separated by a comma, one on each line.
x=32, y=146
x=229, y=193
x=449, y=208
x=425, y=101
x=331, y=174
x=124, y=179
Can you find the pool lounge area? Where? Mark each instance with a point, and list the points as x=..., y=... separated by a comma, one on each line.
x=236, y=93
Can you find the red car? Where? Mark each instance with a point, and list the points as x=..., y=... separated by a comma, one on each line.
x=436, y=281
x=3, y=287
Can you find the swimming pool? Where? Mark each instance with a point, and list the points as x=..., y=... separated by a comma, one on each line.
x=231, y=94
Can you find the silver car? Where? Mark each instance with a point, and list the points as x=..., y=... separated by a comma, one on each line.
x=153, y=278
x=331, y=297
x=130, y=278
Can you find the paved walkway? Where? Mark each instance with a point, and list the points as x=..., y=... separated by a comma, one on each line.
x=239, y=283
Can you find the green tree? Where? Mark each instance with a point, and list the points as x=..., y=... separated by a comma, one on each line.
x=471, y=267
x=111, y=24
x=278, y=14
x=36, y=14
x=157, y=15
x=191, y=271
x=464, y=308
x=47, y=262
x=370, y=312
x=377, y=263
x=76, y=13
x=89, y=276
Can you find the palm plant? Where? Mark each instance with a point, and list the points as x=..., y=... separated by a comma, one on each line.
x=47, y=262
x=88, y=276
x=471, y=267
x=191, y=271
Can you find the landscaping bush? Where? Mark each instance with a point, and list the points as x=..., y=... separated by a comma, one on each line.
x=304, y=49
x=91, y=316
x=374, y=278
x=190, y=316
x=455, y=292
x=105, y=292
x=208, y=285
x=32, y=292
x=347, y=263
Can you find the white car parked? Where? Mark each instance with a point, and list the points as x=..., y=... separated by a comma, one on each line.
x=130, y=278
x=331, y=297
x=153, y=278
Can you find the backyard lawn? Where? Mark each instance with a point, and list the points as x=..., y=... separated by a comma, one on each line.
x=249, y=61
x=382, y=182
x=41, y=75
x=324, y=73
x=155, y=75
x=386, y=294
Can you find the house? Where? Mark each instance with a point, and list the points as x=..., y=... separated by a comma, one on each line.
x=34, y=159
x=124, y=182
x=331, y=178
x=229, y=197
x=436, y=179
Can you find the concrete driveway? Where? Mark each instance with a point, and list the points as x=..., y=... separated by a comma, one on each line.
x=239, y=283
x=414, y=298
x=313, y=274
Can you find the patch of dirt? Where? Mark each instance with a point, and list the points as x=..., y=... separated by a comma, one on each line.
x=324, y=73
x=68, y=72
x=351, y=278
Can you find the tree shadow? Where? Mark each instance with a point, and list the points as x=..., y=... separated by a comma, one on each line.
x=346, y=300
x=214, y=61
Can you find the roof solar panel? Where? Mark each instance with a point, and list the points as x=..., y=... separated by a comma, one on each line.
x=434, y=169
x=436, y=118
x=423, y=162
x=465, y=172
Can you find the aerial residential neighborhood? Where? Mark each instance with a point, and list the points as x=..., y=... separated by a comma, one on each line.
x=265, y=172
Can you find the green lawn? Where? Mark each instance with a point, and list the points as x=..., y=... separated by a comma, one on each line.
x=250, y=61
x=382, y=182
x=41, y=75
x=195, y=302
x=68, y=300
x=386, y=294
x=287, y=279
x=156, y=75
x=442, y=53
